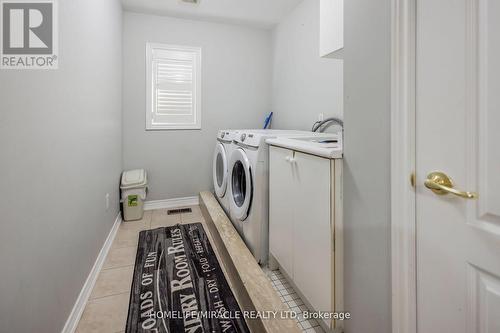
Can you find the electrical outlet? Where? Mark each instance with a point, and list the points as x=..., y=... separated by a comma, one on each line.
x=107, y=201
x=321, y=117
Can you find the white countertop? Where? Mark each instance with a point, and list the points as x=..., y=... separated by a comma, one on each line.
x=316, y=144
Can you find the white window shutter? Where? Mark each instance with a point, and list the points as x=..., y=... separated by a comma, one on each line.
x=174, y=87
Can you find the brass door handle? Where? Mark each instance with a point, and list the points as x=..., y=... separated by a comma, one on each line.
x=441, y=184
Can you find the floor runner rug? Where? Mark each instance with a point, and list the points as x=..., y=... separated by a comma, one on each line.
x=179, y=286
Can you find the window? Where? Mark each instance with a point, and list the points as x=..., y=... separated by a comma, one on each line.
x=173, y=87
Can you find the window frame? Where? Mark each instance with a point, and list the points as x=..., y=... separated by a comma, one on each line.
x=150, y=113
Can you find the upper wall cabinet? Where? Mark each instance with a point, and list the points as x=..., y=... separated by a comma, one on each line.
x=331, y=28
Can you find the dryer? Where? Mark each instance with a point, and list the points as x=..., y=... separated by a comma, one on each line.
x=223, y=149
x=249, y=187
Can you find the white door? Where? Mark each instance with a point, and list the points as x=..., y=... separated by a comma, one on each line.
x=220, y=170
x=281, y=203
x=241, y=185
x=458, y=133
x=312, y=230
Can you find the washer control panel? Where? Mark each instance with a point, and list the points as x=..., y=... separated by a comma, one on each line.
x=248, y=139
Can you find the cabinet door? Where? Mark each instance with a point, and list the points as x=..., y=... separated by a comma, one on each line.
x=331, y=28
x=281, y=190
x=312, y=230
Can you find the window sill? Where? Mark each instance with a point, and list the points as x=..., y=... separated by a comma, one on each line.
x=173, y=128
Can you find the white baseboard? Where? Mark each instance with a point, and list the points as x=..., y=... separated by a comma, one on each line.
x=82, y=299
x=171, y=203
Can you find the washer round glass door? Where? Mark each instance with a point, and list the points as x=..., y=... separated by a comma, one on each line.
x=220, y=170
x=241, y=185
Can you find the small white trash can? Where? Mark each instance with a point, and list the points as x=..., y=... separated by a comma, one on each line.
x=133, y=189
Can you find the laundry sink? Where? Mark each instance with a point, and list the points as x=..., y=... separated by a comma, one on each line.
x=320, y=144
x=327, y=141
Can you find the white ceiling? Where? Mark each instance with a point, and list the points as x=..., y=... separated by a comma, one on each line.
x=257, y=13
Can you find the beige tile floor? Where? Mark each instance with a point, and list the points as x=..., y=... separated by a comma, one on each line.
x=107, y=307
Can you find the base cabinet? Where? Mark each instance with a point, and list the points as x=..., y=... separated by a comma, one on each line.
x=302, y=218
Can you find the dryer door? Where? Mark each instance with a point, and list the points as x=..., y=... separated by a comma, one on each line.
x=241, y=185
x=220, y=170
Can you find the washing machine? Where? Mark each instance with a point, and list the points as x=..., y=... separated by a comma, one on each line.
x=249, y=187
x=223, y=149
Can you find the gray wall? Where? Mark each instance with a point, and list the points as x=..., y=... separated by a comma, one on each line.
x=235, y=94
x=304, y=85
x=61, y=152
x=367, y=165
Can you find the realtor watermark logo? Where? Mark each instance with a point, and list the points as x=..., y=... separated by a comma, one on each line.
x=29, y=34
